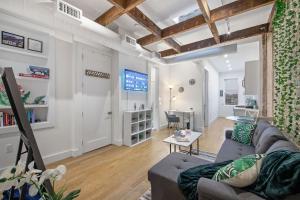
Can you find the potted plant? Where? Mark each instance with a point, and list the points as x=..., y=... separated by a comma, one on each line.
x=16, y=177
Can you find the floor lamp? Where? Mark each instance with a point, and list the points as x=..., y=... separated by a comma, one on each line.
x=170, y=98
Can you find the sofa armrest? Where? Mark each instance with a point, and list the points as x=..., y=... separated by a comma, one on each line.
x=228, y=134
x=209, y=189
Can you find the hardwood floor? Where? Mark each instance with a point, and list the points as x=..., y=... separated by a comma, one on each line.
x=120, y=173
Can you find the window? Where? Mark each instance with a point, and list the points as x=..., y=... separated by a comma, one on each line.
x=231, y=91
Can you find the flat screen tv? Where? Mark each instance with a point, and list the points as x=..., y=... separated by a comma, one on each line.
x=135, y=81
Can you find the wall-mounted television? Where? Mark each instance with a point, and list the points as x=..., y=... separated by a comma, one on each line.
x=135, y=81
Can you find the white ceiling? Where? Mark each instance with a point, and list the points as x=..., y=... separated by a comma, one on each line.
x=163, y=13
x=245, y=52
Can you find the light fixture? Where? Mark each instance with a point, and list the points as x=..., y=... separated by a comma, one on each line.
x=230, y=69
x=170, y=86
x=228, y=33
x=229, y=65
x=227, y=61
x=226, y=56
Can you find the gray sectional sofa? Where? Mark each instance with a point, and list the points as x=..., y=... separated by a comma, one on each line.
x=163, y=176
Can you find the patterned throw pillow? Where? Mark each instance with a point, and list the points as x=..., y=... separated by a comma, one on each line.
x=243, y=132
x=242, y=172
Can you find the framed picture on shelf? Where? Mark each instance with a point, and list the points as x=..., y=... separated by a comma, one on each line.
x=12, y=39
x=34, y=45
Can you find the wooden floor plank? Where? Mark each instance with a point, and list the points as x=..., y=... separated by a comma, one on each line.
x=120, y=173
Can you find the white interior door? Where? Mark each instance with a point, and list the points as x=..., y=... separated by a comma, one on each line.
x=97, y=118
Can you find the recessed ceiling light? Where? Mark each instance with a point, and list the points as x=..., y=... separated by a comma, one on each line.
x=230, y=69
x=227, y=61
x=229, y=65
x=226, y=55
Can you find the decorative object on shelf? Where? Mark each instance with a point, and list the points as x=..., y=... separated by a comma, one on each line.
x=181, y=89
x=33, y=179
x=286, y=64
x=34, y=45
x=25, y=97
x=142, y=107
x=4, y=98
x=192, y=81
x=97, y=74
x=12, y=39
x=37, y=72
x=39, y=100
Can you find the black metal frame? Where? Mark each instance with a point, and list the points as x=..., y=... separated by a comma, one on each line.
x=191, y=150
x=26, y=134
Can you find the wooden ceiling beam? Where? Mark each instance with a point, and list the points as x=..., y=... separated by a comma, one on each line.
x=172, y=43
x=203, y=5
x=147, y=23
x=237, y=35
x=120, y=8
x=173, y=30
x=236, y=8
x=223, y=12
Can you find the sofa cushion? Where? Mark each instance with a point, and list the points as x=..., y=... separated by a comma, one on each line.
x=282, y=145
x=261, y=126
x=241, y=172
x=268, y=137
x=232, y=150
x=163, y=176
x=243, y=132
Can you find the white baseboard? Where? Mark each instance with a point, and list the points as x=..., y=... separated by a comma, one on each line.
x=57, y=156
x=52, y=158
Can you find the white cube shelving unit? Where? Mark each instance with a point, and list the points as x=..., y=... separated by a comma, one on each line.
x=137, y=126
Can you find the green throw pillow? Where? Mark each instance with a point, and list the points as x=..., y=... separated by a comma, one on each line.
x=243, y=132
x=242, y=172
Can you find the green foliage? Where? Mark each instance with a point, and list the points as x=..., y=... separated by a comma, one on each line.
x=60, y=195
x=38, y=99
x=286, y=62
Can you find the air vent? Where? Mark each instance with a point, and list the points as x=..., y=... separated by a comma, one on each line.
x=69, y=10
x=130, y=40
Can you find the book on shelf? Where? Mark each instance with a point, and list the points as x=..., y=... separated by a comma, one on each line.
x=8, y=119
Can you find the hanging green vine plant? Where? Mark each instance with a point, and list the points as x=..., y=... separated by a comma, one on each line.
x=286, y=62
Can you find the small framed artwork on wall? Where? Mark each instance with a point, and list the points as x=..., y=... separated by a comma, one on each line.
x=12, y=39
x=34, y=45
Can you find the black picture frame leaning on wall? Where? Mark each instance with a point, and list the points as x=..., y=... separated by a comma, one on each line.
x=27, y=138
x=12, y=39
x=34, y=45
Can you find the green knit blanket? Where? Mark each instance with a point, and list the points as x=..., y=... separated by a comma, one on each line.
x=278, y=178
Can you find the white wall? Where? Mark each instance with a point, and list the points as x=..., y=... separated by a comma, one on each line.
x=54, y=143
x=131, y=97
x=62, y=140
x=164, y=82
x=213, y=91
x=178, y=75
x=227, y=110
x=125, y=100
